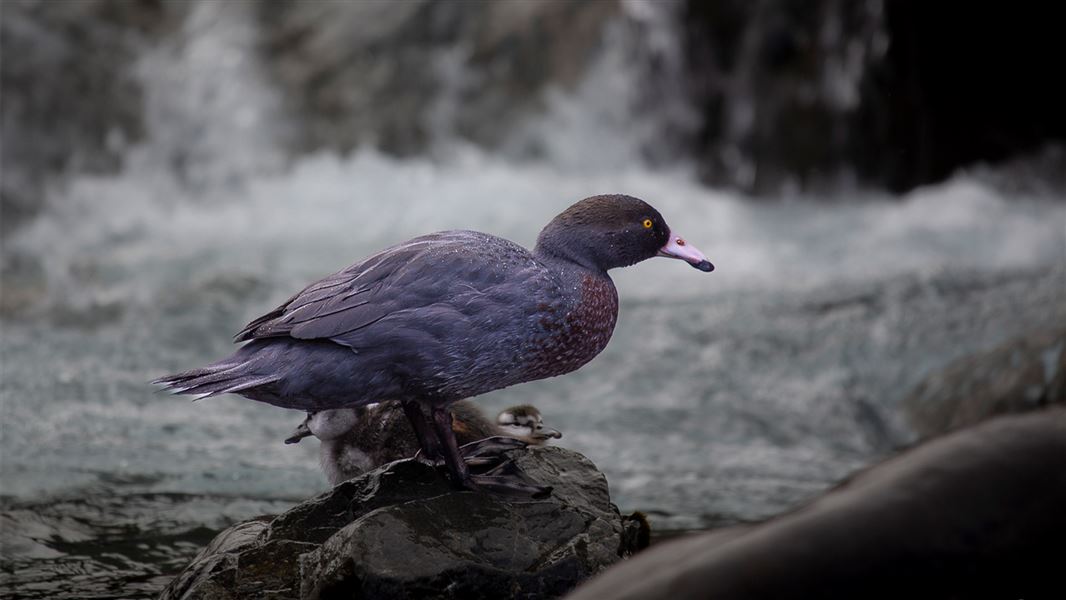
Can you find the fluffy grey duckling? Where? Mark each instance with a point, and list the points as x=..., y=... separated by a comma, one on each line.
x=444, y=317
x=356, y=440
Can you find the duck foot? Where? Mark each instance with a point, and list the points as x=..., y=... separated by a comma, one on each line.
x=481, y=465
x=507, y=479
x=486, y=452
x=489, y=451
x=490, y=469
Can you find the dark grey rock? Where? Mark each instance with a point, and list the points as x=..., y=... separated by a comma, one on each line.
x=402, y=531
x=1023, y=374
x=212, y=573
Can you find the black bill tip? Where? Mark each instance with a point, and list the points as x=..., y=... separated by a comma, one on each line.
x=299, y=433
x=704, y=266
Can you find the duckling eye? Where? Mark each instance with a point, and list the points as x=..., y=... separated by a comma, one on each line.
x=647, y=223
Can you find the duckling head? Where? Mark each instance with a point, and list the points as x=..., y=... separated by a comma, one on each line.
x=325, y=425
x=525, y=421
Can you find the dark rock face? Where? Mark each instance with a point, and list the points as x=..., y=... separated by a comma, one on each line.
x=401, y=531
x=939, y=101
x=779, y=88
x=1021, y=375
x=889, y=92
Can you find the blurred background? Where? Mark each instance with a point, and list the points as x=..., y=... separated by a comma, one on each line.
x=881, y=185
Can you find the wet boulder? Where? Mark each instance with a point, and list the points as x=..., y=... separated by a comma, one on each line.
x=1020, y=375
x=403, y=531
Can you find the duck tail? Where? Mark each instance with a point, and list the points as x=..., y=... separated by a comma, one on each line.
x=223, y=377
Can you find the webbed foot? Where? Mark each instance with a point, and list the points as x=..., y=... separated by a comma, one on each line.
x=489, y=451
x=493, y=470
x=507, y=479
x=486, y=452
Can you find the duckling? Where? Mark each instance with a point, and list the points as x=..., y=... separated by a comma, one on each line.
x=355, y=440
x=525, y=422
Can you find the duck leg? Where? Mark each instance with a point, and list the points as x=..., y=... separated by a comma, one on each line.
x=504, y=478
x=427, y=439
x=442, y=422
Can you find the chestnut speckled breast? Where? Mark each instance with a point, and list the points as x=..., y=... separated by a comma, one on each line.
x=576, y=337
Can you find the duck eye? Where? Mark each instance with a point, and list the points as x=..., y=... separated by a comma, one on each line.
x=647, y=223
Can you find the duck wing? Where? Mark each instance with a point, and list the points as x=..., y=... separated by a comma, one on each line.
x=421, y=278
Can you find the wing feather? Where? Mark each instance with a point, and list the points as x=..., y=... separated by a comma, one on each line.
x=397, y=281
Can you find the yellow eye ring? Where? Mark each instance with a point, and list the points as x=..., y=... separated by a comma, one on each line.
x=647, y=223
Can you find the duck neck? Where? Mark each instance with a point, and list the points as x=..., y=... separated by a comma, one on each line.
x=561, y=256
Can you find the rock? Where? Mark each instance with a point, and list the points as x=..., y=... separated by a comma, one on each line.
x=817, y=94
x=211, y=572
x=402, y=531
x=780, y=91
x=974, y=514
x=1021, y=375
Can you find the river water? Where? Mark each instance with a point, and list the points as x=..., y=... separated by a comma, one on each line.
x=723, y=397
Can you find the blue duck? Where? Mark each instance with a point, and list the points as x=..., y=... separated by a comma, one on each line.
x=354, y=440
x=443, y=317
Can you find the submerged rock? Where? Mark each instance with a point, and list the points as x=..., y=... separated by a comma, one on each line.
x=1018, y=376
x=402, y=531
